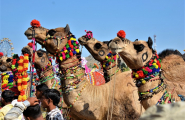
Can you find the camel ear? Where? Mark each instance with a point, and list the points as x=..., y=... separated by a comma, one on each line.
x=150, y=42
x=136, y=40
x=67, y=29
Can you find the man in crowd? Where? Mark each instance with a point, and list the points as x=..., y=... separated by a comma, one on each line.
x=50, y=100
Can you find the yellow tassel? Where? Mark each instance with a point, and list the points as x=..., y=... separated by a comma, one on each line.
x=143, y=81
x=24, y=97
x=73, y=38
x=65, y=51
x=61, y=58
x=136, y=75
x=155, y=61
x=77, y=50
x=156, y=66
x=106, y=57
x=20, y=98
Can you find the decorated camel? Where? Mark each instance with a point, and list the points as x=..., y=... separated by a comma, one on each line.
x=86, y=101
x=101, y=52
x=43, y=66
x=154, y=86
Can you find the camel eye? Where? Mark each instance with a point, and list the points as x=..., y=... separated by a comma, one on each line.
x=139, y=47
x=39, y=54
x=8, y=60
x=51, y=32
x=97, y=45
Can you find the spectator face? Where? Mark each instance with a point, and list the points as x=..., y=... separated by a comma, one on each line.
x=44, y=101
x=38, y=94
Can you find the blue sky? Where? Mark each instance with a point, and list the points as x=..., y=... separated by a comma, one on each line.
x=138, y=18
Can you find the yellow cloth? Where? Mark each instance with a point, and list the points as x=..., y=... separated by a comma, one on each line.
x=4, y=111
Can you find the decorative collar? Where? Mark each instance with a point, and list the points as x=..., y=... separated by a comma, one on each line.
x=69, y=50
x=150, y=70
x=110, y=58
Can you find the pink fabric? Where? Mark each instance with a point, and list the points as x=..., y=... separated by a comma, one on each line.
x=87, y=70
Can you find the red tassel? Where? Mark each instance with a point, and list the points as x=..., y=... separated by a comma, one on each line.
x=71, y=54
x=121, y=34
x=35, y=23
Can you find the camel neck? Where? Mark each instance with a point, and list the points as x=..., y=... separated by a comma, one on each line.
x=151, y=91
x=110, y=71
x=72, y=73
x=149, y=82
x=46, y=75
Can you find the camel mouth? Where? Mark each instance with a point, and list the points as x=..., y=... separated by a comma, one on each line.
x=3, y=68
x=81, y=41
x=116, y=50
x=29, y=36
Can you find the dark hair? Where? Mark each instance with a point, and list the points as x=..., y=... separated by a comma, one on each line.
x=8, y=95
x=52, y=94
x=42, y=87
x=32, y=111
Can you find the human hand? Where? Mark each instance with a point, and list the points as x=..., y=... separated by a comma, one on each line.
x=33, y=101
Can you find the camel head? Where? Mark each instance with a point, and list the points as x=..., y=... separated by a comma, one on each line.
x=135, y=54
x=41, y=56
x=98, y=50
x=40, y=34
x=53, y=40
x=5, y=63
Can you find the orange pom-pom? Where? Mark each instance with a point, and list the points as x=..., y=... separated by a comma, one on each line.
x=121, y=34
x=35, y=23
x=30, y=44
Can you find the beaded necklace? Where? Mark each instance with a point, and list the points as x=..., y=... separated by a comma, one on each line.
x=78, y=95
x=45, y=68
x=111, y=74
x=164, y=97
x=51, y=76
x=151, y=90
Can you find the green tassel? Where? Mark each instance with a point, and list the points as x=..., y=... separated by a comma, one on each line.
x=67, y=56
x=145, y=72
x=16, y=65
x=74, y=44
